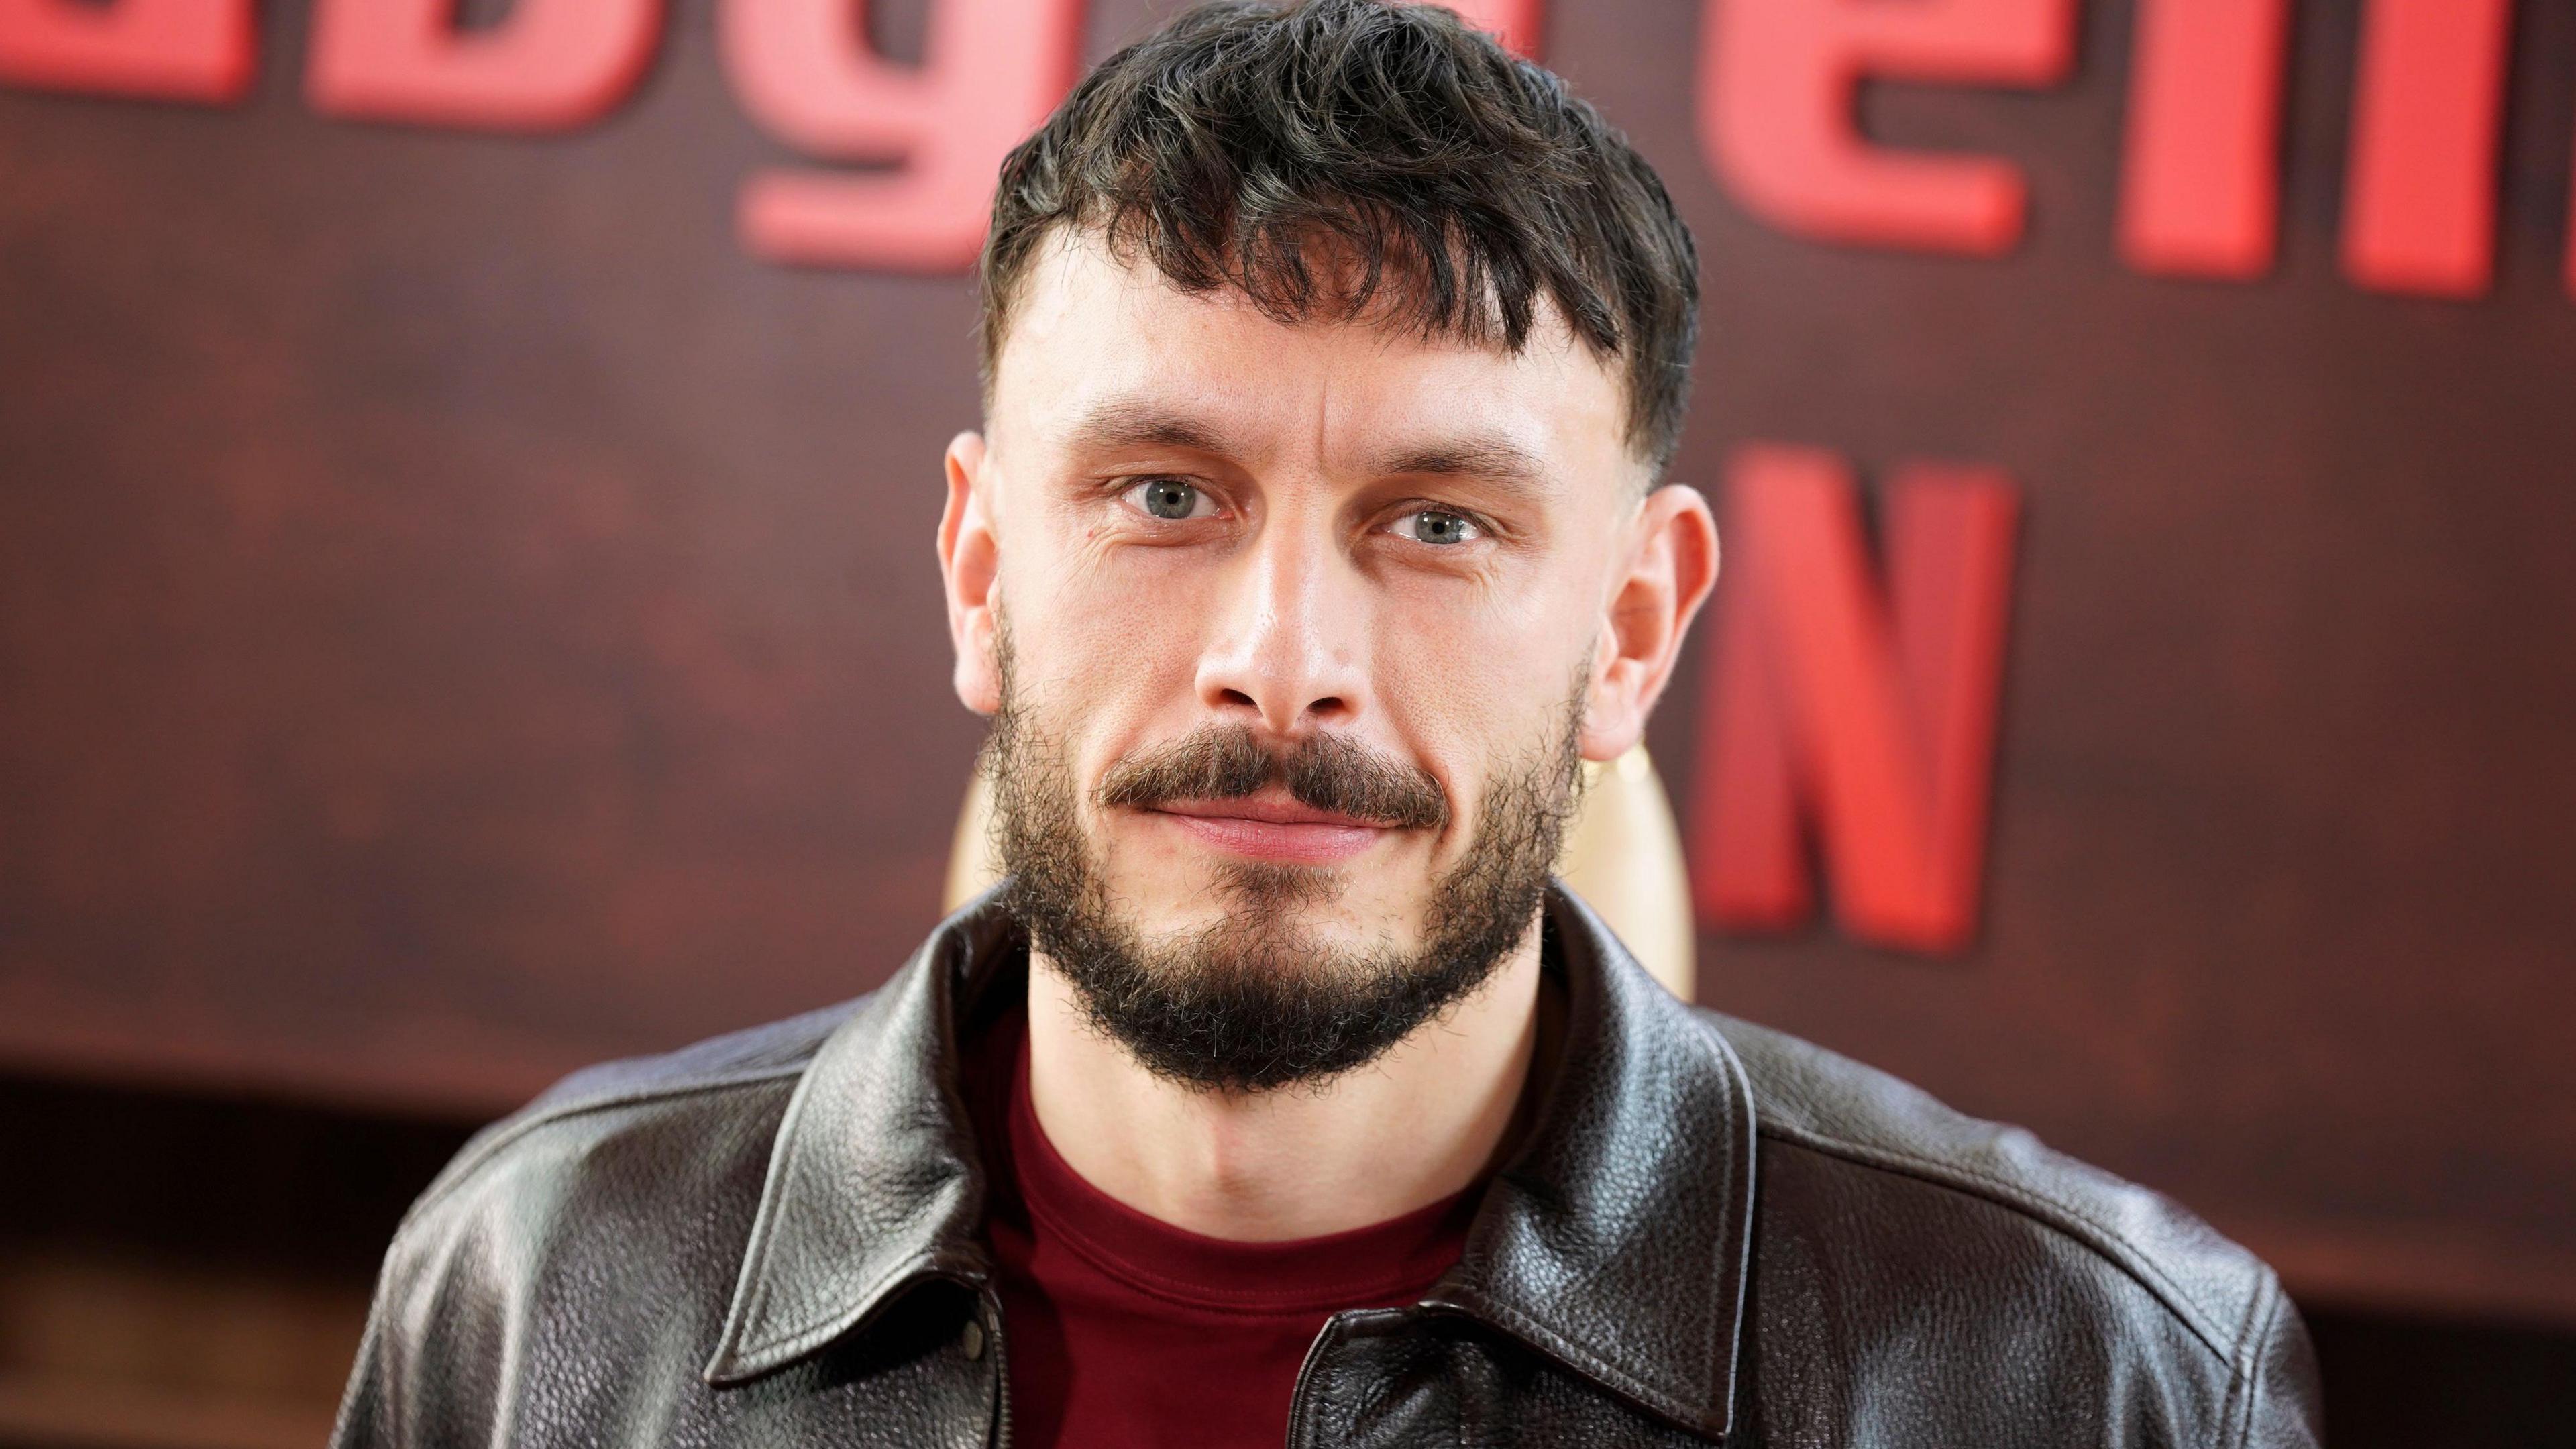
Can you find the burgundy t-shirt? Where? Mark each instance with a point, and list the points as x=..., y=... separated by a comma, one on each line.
x=1127, y=1333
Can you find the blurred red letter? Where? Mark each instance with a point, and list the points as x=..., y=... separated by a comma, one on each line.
x=2200, y=191
x=1875, y=707
x=1777, y=82
x=552, y=65
x=169, y=50
x=804, y=69
x=2420, y=188
x=1513, y=22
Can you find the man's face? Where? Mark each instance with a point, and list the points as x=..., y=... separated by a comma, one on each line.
x=1280, y=619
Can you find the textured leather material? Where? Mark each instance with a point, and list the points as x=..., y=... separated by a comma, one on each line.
x=1712, y=1232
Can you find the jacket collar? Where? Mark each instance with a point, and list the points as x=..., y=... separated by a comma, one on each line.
x=1615, y=1242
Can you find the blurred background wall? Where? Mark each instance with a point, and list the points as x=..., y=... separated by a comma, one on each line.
x=467, y=610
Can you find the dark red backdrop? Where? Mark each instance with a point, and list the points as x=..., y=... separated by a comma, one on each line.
x=460, y=618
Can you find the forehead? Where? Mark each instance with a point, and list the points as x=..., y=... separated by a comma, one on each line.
x=1091, y=335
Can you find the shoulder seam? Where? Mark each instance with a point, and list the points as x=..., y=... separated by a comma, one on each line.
x=2065, y=1218
x=2245, y=1385
x=479, y=1155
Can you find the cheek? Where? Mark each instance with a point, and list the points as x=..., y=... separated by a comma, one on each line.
x=1135, y=618
x=1108, y=657
x=1494, y=647
x=1474, y=690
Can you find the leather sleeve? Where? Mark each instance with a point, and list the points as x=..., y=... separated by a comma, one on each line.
x=367, y=1406
x=433, y=1366
x=2284, y=1409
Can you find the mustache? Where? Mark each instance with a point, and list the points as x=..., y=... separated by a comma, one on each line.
x=1322, y=772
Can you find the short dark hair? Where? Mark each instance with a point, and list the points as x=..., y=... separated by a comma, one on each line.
x=1441, y=179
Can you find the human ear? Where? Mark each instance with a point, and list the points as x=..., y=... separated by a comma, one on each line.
x=1669, y=567
x=969, y=566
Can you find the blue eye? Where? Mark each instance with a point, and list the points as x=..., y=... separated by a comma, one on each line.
x=1168, y=498
x=1438, y=526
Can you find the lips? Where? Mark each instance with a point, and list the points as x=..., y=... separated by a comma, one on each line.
x=1268, y=808
x=1270, y=826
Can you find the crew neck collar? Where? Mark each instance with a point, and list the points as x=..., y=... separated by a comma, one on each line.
x=1385, y=1263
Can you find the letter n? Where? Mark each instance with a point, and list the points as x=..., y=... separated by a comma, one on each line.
x=551, y=66
x=167, y=50
x=1864, y=709
x=804, y=69
x=1777, y=94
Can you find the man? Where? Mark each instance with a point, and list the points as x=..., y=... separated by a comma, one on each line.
x=1314, y=536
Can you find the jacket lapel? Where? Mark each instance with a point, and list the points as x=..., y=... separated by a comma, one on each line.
x=1615, y=1242
x=874, y=1184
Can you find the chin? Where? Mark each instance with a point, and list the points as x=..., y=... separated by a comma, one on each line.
x=1303, y=916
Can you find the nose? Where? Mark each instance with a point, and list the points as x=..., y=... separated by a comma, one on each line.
x=1288, y=648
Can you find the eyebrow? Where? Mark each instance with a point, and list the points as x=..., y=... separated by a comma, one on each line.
x=1126, y=423
x=1490, y=459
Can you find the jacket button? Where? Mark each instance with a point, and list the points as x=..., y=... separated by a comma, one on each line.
x=974, y=1339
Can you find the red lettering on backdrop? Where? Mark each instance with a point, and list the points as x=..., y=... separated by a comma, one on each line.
x=2420, y=186
x=804, y=69
x=1776, y=93
x=551, y=66
x=1872, y=708
x=169, y=50
x=2200, y=191
x=1515, y=23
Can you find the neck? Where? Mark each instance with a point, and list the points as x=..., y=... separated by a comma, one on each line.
x=1417, y=1125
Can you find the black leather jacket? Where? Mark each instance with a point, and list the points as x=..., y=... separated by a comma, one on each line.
x=1711, y=1232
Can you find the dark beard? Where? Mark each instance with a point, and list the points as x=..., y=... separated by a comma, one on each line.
x=1246, y=1005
